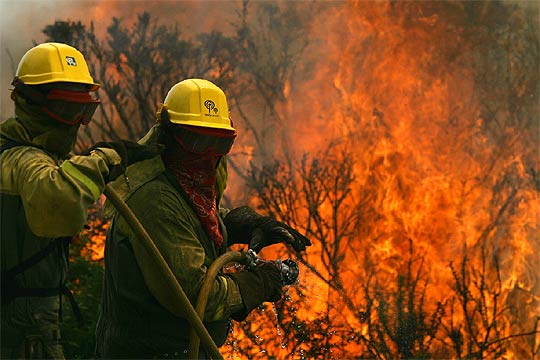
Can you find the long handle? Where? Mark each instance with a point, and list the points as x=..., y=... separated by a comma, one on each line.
x=190, y=313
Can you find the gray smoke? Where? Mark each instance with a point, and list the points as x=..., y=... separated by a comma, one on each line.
x=21, y=22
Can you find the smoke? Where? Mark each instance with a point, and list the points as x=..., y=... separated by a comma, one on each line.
x=21, y=22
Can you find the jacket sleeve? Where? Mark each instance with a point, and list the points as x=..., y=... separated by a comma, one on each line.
x=163, y=215
x=55, y=197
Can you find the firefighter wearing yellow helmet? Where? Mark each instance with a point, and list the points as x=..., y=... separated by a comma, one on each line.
x=177, y=198
x=45, y=193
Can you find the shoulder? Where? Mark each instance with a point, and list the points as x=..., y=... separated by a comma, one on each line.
x=158, y=197
x=137, y=176
x=162, y=210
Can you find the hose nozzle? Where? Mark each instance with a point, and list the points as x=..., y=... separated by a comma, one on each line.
x=289, y=271
x=288, y=268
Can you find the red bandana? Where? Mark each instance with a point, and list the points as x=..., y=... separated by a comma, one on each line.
x=196, y=175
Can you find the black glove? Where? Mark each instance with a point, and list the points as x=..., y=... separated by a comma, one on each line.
x=245, y=226
x=129, y=151
x=260, y=284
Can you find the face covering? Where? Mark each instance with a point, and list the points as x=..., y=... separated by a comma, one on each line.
x=35, y=128
x=192, y=154
x=196, y=174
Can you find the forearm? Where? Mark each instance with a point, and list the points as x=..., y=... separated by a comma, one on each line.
x=224, y=299
x=55, y=198
x=187, y=266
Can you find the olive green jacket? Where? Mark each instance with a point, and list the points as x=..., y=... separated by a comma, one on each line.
x=137, y=318
x=41, y=200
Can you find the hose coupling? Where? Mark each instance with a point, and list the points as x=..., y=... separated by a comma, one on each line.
x=251, y=259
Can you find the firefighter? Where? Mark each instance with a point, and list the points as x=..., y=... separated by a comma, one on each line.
x=176, y=196
x=44, y=195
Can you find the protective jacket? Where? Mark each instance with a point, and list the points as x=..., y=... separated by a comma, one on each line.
x=135, y=321
x=43, y=203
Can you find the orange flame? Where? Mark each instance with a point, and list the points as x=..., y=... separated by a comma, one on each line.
x=395, y=87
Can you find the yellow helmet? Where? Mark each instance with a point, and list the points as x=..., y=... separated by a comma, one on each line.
x=54, y=62
x=197, y=102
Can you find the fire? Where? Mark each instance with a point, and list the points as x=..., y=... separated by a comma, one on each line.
x=424, y=210
x=92, y=238
x=430, y=169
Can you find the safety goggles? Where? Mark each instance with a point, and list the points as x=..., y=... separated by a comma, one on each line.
x=70, y=107
x=200, y=140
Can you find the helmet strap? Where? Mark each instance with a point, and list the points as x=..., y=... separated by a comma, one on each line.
x=162, y=114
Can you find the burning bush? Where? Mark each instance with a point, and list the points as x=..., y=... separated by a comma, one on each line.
x=401, y=137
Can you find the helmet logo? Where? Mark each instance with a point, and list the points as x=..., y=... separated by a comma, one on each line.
x=211, y=106
x=71, y=61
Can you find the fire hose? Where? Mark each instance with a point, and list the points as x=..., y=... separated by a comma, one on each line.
x=288, y=268
x=289, y=274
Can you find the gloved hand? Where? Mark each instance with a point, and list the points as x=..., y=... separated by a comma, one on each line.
x=245, y=226
x=260, y=284
x=129, y=151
